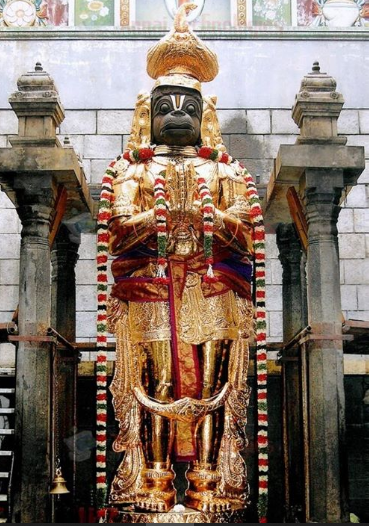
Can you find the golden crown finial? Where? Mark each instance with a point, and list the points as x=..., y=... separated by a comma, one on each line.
x=181, y=58
x=180, y=20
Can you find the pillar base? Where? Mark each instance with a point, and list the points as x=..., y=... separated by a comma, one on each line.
x=173, y=517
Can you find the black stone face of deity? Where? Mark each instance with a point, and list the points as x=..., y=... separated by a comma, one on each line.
x=176, y=116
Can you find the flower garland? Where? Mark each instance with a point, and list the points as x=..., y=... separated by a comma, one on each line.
x=139, y=155
x=261, y=351
x=104, y=215
x=161, y=214
x=214, y=155
x=208, y=210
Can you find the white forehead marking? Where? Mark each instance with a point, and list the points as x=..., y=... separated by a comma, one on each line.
x=176, y=99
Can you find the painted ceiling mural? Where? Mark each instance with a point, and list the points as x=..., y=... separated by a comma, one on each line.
x=210, y=14
x=28, y=13
x=94, y=13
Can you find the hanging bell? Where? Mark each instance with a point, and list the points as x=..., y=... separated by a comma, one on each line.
x=58, y=486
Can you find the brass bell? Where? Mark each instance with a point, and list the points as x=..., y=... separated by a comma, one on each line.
x=58, y=486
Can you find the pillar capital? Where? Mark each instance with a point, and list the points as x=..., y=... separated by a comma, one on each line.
x=35, y=197
x=321, y=197
x=64, y=255
x=311, y=167
x=289, y=246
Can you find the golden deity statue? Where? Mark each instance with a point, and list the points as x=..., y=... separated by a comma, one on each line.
x=182, y=235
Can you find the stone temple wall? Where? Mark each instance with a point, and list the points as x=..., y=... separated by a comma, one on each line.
x=257, y=121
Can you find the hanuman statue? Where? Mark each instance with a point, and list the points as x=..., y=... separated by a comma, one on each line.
x=182, y=232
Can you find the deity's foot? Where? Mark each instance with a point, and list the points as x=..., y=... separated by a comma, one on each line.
x=158, y=493
x=206, y=501
x=156, y=501
x=202, y=493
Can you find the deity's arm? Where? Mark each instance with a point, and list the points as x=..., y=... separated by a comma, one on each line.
x=232, y=222
x=133, y=220
x=126, y=233
x=233, y=232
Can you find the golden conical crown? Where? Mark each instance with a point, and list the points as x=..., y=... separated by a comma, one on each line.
x=181, y=58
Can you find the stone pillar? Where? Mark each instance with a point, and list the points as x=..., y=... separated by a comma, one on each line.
x=294, y=320
x=64, y=256
x=39, y=112
x=320, y=167
x=325, y=353
x=34, y=173
x=294, y=280
x=316, y=112
x=36, y=199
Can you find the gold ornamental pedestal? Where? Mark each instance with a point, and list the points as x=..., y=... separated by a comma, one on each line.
x=187, y=516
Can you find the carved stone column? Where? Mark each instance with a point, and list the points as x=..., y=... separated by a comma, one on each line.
x=294, y=319
x=64, y=256
x=36, y=199
x=320, y=167
x=325, y=354
x=294, y=281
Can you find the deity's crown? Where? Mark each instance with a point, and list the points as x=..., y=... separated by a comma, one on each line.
x=181, y=58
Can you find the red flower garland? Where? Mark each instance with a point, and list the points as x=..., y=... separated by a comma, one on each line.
x=161, y=213
x=138, y=155
x=261, y=352
x=208, y=210
x=214, y=155
x=104, y=215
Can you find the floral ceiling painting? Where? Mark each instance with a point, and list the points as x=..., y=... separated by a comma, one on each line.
x=23, y=13
x=271, y=12
x=33, y=13
x=94, y=13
